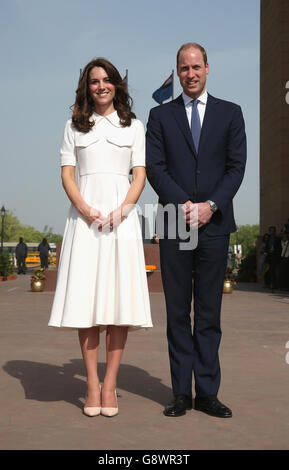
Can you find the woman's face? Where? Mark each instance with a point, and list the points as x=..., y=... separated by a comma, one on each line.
x=101, y=88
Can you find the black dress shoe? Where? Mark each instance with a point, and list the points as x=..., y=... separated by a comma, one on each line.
x=179, y=405
x=212, y=406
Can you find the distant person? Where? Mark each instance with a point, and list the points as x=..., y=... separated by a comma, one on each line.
x=262, y=262
x=284, y=264
x=285, y=229
x=273, y=250
x=21, y=254
x=44, y=249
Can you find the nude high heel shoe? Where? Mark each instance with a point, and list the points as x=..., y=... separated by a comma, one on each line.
x=109, y=411
x=92, y=410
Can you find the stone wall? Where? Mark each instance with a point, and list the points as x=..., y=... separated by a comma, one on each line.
x=274, y=114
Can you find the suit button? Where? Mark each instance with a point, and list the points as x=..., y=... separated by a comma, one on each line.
x=198, y=172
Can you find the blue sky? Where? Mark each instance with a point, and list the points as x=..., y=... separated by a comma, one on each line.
x=44, y=44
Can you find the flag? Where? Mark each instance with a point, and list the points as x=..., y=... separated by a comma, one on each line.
x=165, y=91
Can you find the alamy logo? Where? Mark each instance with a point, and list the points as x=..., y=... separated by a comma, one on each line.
x=173, y=222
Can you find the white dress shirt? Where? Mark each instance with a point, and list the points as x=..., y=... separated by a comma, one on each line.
x=201, y=106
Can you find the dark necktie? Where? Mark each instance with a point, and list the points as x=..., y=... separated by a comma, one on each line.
x=195, y=124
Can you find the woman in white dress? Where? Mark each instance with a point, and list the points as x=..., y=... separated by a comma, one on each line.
x=101, y=282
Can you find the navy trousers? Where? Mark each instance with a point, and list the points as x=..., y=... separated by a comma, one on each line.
x=44, y=261
x=198, y=273
x=21, y=266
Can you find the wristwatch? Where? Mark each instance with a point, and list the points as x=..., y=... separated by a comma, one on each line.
x=213, y=206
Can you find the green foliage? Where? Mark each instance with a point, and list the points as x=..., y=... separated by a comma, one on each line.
x=245, y=236
x=38, y=274
x=6, y=264
x=13, y=229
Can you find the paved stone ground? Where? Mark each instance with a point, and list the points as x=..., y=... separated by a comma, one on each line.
x=43, y=380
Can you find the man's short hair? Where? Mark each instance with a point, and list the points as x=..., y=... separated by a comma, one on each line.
x=194, y=45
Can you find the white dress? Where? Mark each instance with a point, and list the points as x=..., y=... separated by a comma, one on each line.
x=101, y=276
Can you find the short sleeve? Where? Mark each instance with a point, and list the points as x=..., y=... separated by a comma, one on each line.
x=67, y=151
x=138, y=147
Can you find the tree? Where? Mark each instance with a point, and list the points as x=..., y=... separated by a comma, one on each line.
x=246, y=236
x=13, y=229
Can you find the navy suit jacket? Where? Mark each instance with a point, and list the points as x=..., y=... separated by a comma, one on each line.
x=177, y=173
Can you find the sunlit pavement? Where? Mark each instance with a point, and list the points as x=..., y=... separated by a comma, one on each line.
x=43, y=379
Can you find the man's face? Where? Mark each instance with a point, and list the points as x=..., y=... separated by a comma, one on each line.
x=192, y=72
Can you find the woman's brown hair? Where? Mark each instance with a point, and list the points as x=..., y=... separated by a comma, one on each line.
x=84, y=104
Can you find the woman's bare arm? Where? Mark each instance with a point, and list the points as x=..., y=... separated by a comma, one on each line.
x=70, y=186
x=135, y=190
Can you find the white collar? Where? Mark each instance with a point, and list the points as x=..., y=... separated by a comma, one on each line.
x=112, y=118
x=202, y=98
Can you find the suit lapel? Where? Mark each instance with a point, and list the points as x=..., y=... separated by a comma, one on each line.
x=208, y=122
x=180, y=115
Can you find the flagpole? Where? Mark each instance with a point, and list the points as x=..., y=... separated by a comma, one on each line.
x=173, y=85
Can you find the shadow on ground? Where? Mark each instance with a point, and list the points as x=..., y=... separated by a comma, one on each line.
x=256, y=287
x=47, y=382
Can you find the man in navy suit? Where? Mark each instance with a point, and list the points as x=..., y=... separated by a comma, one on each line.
x=196, y=155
